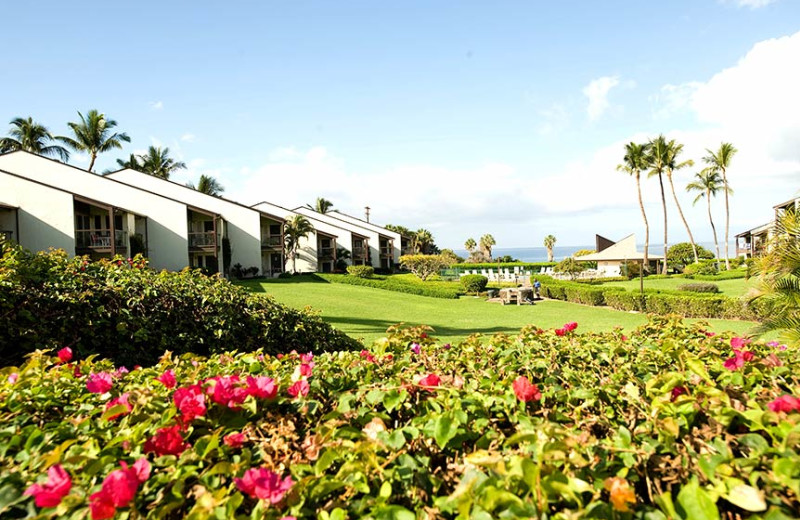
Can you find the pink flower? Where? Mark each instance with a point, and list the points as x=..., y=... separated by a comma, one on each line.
x=772, y=360
x=190, y=401
x=264, y=484
x=51, y=492
x=300, y=388
x=262, y=387
x=738, y=360
x=235, y=440
x=561, y=332
x=569, y=327
x=525, y=391
x=306, y=358
x=785, y=403
x=226, y=391
x=65, y=355
x=446, y=346
x=430, y=381
x=624, y=337
x=415, y=348
x=739, y=342
x=119, y=488
x=12, y=377
x=99, y=383
x=677, y=392
x=166, y=441
x=167, y=379
x=365, y=354
x=123, y=400
x=120, y=372
x=305, y=369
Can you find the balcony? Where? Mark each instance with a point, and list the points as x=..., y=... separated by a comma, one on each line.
x=271, y=242
x=386, y=252
x=326, y=253
x=359, y=252
x=203, y=240
x=99, y=240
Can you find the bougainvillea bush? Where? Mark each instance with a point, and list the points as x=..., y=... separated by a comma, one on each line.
x=123, y=310
x=671, y=422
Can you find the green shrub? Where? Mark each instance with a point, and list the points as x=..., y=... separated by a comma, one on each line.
x=704, y=267
x=121, y=309
x=682, y=254
x=733, y=274
x=631, y=269
x=424, y=266
x=474, y=283
x=360, y=271
x=699, y=287
x=398, y=283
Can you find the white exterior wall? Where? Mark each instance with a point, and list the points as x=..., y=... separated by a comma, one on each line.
x=397, y=251
x=243, y=223
x=374, y=239
x=609, y=268
x=46, y=215
x=167, y=241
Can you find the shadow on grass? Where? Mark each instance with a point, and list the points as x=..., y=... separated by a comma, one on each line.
x=257, y=285
x=379, y=327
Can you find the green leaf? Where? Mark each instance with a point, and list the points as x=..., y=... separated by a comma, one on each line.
x=696, y=502
x=747, y=497
x=445, y=428
x=393, y=512
x=392, y=399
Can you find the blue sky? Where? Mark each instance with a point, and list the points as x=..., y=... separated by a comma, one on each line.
x=461, y=117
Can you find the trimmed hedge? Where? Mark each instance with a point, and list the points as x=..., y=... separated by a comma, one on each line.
x=699, y=287
x=397, y=283
x=125, y=311
x=734, y=274
x=361, y=271
x=474, y=283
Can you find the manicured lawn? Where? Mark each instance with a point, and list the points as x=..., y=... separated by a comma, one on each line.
x=366, y=313
x=733, y=288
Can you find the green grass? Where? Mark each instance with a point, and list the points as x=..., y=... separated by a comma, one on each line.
x=365, y=313
x=733, y=288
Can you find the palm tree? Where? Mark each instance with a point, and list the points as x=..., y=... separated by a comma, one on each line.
x=657, y=159
x=93, y=135
x=549, y=243
x=295, y=229
x=486, y=243
x=322, y=205
x=674, y=150
x=423, y=239
x=208, y=185
x=158, y=163
x=721, y=161
x=708, y=182
x=634, y=162
x=132, y=163
x=470, y=245
x=30, y=136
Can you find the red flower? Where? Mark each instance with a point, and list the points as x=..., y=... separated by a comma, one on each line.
x=526, y=391
x=235, y=440
x=264, y=484
x=569, y=327
x=166, y=441
x=226, y=391
x=123, y=399
x=190, y=401
x=306, y=358
x=677, y=392
x=423, y=335
x=785, y=403
x=739, y=342
x=167, y=379
x=99, y=383
x=430, y=381
x=624, y=337
x=306, y=368
x=262, y=387
x=300, y=388
x=365, y=354
x=51, y=492
x=561, y=332
x=738, y=360
x=118, y=489
x=65, y=355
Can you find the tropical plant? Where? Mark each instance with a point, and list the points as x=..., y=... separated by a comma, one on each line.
x=470, y=245
x=634, y=162
x=423, y=241
x=93, y=135
x=779, y=279
x=682, y=254
x=674, y=150
x=133, y=163
x=158, y=163
x=342, y=257
x=570, y=267
x=707, y=183
x=549, y=243
x=30, y=136
x=402, y=230
x=321, y=205
x=424, y=266
x=486, y=243
x=296, y=228
x=657, y=158
x=451, y=256
x=721, y=161
x=208, y=185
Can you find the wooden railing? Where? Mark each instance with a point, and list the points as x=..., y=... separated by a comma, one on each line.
x=100, y=239
x=271, y=241
x=203, y=239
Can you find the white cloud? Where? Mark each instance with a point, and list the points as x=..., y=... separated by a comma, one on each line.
x=672, y=99
x=752, y=4
x=597, y=92
x=78, y=157
x=156, y=105
x=188, y=138
x=554, y=119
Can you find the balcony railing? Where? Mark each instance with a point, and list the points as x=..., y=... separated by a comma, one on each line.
x=271, y=241
x=386, y=252
x=100, y=239
x=325, y=253
x=359, y=252
x=204, y=240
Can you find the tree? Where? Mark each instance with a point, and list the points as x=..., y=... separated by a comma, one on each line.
x=423, y=241
x=158, y=163
x=486, y=243
x=470, y=245
x=133, y=163
x=779, y=280
x=322, y=205
x=708, y=182
x=208, y=185
x=450, y=257
x=424, y=266
x=634, y=161
x=30, y=136
x=549, y=243
x=296, y=228
x=674, y=150
x=571, y=267
x=657, y=159
x=93, y=135
x=402, y=230
x=721, y=161
x=682, y=254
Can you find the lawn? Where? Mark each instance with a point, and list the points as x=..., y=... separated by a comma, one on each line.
x=366, y=313
x=733, y=288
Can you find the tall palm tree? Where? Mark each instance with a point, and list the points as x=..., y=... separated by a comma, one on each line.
x=486, y=243
x=673, y=151
x=721, y=161
x=707, y=183
x=470, y=245
x=423, y=239
x=93, y=135
x=208, y=185
x=30, y=136
x=549, y=243
x=634, y=161
x=322, y=205
x=657, y=159
x=133, y=163
x=158, y=163
x=295, y=229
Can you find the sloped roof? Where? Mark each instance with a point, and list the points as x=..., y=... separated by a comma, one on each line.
x=624, y=249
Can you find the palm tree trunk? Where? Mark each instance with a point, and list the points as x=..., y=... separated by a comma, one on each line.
x=664, y=205
x=727, y=220
x=713, y=228
x=680, y=212
x=91, y=162
x=549, y=254
x=646, y=225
